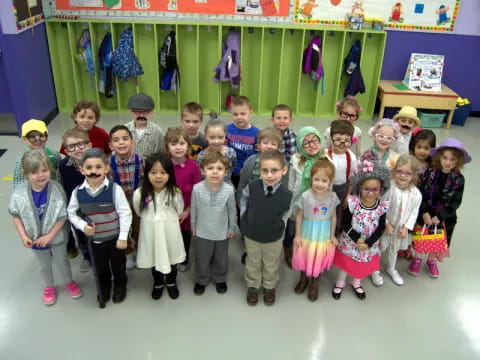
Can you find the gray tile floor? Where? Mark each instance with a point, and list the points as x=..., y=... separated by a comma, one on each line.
x=424, y=319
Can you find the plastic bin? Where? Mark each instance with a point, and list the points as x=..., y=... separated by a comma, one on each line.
x=431, y=119
x=461, y=114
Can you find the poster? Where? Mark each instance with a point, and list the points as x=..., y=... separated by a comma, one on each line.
x=424, y=72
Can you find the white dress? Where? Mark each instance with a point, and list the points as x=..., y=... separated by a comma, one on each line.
x=160, y=242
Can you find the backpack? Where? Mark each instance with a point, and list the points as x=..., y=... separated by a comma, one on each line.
x=124, y=62
x=84, y=47
x=106, y=82
x=351, y=66
x=312, y=61
x=228, y=69
x=167, y=58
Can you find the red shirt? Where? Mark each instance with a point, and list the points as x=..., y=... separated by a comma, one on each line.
x=99, y=139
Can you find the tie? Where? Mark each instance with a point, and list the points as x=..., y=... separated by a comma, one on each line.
x=269, y=191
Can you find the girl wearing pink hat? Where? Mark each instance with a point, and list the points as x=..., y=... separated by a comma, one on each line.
x=442, y=192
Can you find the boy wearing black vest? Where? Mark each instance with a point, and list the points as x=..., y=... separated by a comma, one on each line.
x=99, y=208
x=264, y=209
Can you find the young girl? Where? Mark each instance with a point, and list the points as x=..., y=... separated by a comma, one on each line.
x=315, y=228
x=363, y=222
x=422, y=141
x=39, y=213
x=348, y=109
x=442, y=191
x=384, y=134
x=159, y=204
x=405, y=200
x=187, y=173
x=215, y=133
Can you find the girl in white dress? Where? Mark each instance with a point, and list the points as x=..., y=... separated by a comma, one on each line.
x=158, y=202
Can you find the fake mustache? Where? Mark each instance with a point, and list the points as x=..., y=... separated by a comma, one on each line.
x=141, y=118
x=406, y=127
x=93, y=175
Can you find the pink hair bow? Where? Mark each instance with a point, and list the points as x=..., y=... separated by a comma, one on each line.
x=416, y=131
x=365, y=166
x=354, y=140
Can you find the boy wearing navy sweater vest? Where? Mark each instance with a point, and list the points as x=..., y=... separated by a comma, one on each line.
x=100, y=209
x=264, y=208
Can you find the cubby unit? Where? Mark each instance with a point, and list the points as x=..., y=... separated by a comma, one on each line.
x=168, y=100
x=187, y=57
x=209, y=53
x=251, y=49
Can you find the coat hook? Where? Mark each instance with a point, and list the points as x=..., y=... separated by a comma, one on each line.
x=292, y=31
x=349, y=34
x=312, y=32
x=332, y=34
x=272, y=31
x=232, y=29
x=369, y=35
x=251, y=30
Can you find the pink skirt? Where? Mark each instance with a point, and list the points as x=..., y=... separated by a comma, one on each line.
x=356, y=269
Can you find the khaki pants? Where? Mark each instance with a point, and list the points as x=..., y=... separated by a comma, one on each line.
x=261, y=266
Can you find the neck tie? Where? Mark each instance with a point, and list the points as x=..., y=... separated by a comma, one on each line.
x=269, y=191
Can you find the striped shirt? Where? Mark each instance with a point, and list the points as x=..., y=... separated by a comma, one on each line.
x=289, y=144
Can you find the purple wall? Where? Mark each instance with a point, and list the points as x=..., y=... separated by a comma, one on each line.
x=6, y=105
x=462, y=54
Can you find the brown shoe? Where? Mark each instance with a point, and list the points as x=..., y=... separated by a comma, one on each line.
x=313, y=289
x=288, y=253
x=302, y=283
x=269, y=297
x=252, y=296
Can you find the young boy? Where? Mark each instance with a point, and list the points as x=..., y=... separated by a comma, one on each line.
x=213, y=218
x=126, y=170
x=408, y=120
x=35, y=136
x=75, y=142
x=191, y=118
x=264, y=209
x=241, y=135
x=85, y=115
x=341, y=134
x=147, y=135
x=104, y=205
x=281, y=119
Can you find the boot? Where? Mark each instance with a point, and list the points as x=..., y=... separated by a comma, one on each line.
x=313, y=288
x=302, y=283
x=288, y=253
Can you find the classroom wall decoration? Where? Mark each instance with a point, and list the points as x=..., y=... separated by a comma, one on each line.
x=27, y=13
x=418, y=15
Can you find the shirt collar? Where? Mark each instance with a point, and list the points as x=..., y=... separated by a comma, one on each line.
x=86, y=185
x=129, y=159
x=275, y=187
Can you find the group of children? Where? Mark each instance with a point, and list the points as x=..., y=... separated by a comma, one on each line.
x=133, y=197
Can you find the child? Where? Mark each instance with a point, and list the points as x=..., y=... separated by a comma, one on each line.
x=35, y=136
x=404, y=199
x=159, y=204
x=341, y=132
x=348, y=109
x=147, y=135
x=363, y=222
x=241, y=135
x=214, y=214
x=126, y=170
x=281, y=119
x=315, y=228
x=215, y=132
x=86, y=115
x=407, y=120
x=187, y=174
x=421, y=143
x=442, y=192
x=384, y=133
x=75, y=141
x=263, y=208
x=39, y=212
x=99, y=208
x=191, y=117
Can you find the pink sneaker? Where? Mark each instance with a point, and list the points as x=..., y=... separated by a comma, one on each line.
x=432, y=269
x=49, y=295
x=414, y=267
x=73, y=289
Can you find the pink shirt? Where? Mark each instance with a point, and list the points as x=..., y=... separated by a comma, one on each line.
x=187, y=174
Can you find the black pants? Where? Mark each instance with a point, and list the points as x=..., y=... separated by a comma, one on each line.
x=187, y=239
x=160, y=278
x=110, y=260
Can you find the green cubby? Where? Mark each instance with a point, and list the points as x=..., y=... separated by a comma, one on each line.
x=209, y=52
x=225, y=88
x=187, y=57
x=168, y=100
x=251, y=49
x=269, y=69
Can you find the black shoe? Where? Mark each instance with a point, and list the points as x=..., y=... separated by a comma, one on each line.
x=157, y=291
x=221, y=287
x=244, y=258
x=119, y=293
x=173, y=290
x=106, y=293
x=199, y=289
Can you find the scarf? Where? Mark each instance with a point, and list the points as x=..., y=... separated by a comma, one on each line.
x=305, y=184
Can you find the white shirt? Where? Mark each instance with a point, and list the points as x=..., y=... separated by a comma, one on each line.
x=401, y=144
x=340, y=162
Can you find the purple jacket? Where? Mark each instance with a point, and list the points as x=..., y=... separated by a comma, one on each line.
x=228, y=69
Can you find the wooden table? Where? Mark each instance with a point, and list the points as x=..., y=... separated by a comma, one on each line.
x=390, y=96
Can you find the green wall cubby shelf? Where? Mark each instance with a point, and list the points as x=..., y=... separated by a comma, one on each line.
x=271, y=60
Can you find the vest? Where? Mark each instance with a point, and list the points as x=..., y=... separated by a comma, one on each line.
x=100, y=210
x=262, y=221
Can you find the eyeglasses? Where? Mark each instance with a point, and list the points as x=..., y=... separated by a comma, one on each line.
x=347, y=115
x=403, y=173
x=340, y=142
x=273, y=171
x=313, y=142
x=80, y=146
x=384, y=137
x=370, y=190
x=33, y=138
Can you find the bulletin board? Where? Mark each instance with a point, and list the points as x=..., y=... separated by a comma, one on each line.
x=27, y=13
x=426, y=15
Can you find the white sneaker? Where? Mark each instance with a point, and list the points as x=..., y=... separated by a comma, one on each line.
x=396, y=278
x=377, y=278
x=84, y=266
x=130, y=262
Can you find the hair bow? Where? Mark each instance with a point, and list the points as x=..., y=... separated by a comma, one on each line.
x=365, y=166
x=416, y=131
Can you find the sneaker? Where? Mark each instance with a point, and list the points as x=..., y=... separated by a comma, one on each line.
x=252, y=296
x=396, y=278
x=130, y=265
x=414, y=267
x=49, y=295
x=72, y=253
x=184, y=267
x=377, y=278
x=221, y=287
x=73, y=290
x=85, y=266
x=198, y=289
x=432, y=269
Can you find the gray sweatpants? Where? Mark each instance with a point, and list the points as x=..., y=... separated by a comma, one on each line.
x=56, y=254
x=211, y=261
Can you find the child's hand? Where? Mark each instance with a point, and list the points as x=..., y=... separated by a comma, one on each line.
x=362, y=247
x=89, y=230
x=121, y=244
x=43, y=240
x=297, y=241
x=229, y=235
x=427, y=219
x=193, y=232
x=345, y=203
x=388, y=229
x=403, y=232
x=333, y=241
x=27, y=242
x=435, y=220
x=184, y=215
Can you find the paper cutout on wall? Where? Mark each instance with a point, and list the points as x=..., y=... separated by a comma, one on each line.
x=86, y=3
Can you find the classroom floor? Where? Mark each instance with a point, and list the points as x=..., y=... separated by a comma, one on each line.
x=424, y=319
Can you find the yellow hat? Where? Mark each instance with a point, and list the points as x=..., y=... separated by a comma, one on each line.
x=408, y=112
x=34, y=125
